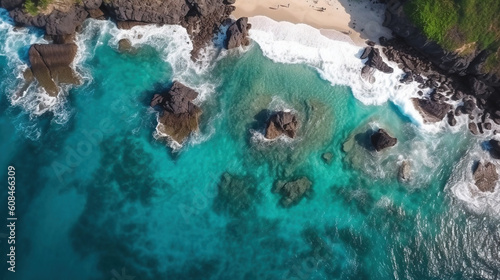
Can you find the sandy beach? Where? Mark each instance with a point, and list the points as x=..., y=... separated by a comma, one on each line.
x=359, y=21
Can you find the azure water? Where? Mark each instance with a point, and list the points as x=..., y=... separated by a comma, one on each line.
x=102, y=195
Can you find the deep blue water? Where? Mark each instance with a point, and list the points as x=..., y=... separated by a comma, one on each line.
x=99, y=197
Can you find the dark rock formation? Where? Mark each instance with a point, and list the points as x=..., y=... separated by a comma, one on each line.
x=96, y=14
x=381, y=140
x=92, y=4
x=125, y=46
x=201, y=18
x=50, y=64
x=463, y=74
x=486, y=176
x=293, y=191
x=55, y=23
x=404, y=171
x=375, y=60
x=430, y=110
x=281, y=123
x=451, y=119
x=179, y=115
x=473, y=128
x=11, y=4
x=495, y=148
x=236, y=195
x=327, y=157
x=237, y=34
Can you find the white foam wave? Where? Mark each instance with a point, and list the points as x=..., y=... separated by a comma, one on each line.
x=337, y=62
x=174, y=45
x=462, y=184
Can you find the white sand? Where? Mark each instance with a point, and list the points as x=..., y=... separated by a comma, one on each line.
x=360, y=21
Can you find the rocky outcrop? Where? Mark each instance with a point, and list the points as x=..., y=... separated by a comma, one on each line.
x=125, y=46
x=375, y=60
x=450, y=61
x=456, y=74
x=381, y=140
x=404, y=171
x=50, y=64
x=281, y=123
x=201, y=18
x=486, y=176
x=494, y=148
x=327, y=157
x=179, y=116
x=237, y=34
x=431, y=111
x=293, y=191
x=11, y=4
x=92, y=4
x=55, y=23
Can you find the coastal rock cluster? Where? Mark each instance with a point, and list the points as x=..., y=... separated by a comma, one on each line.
x=486, y=176
x=281, y=123
x=179, y=116
x=382, y=140
x=449, y=74
x=51, y=63
x=237, y=34
x=374, y=60
x=201, y=18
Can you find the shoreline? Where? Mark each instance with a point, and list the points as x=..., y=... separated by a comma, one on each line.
x=361, y=23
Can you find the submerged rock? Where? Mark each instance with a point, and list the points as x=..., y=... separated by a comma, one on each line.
x=431, y=111
x=237, y=34
x=281, y=123
x=179, y=115
x=236, y=195
x=382, y=140
x=293, y=191
x=486, y=176
x=50, y=63
x=125, y=46
x=327, y=157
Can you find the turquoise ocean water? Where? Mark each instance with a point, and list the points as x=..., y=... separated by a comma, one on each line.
x=100, y=197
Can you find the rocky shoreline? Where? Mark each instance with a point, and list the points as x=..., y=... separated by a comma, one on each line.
x=448, y=74
x=201, y=18
x=456, y=83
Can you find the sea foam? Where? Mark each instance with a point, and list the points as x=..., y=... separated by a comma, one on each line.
x=337, y=62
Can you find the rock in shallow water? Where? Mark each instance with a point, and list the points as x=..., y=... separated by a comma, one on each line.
x=404, y=171
x=281, y=123
x=293, y=191
x=50, y=63
x=486, y=176
x=375, y=60
x=237, y=34
x=382, y=140
x=327, y=157
x=430, y=110
x=179, y=115
x=236, y=195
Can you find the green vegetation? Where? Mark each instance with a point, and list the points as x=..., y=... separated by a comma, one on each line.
x=460, y=25
x=34, y=6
